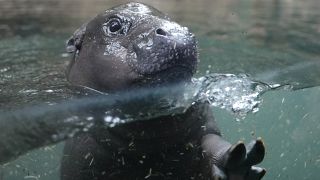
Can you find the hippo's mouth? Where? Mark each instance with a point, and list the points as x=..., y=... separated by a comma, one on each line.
x=162, y=58
x=172, y=75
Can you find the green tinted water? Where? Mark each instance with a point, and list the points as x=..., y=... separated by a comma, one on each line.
x=274, y=41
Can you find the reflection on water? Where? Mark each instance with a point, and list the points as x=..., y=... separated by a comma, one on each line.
x=272, y=41
x=31, y=70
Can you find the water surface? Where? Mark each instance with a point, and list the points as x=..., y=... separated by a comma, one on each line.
x=272, y=41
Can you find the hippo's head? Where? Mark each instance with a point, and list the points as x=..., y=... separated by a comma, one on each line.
x=131, y=45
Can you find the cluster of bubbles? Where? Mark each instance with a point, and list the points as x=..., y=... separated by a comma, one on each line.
x=236, y=93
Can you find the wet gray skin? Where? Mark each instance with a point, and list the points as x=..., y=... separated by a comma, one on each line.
x=135, y=45
x=128, y=46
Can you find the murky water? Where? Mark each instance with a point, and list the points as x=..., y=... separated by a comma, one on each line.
x=275, y=42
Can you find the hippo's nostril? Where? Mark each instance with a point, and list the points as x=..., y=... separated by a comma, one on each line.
x=161, y=32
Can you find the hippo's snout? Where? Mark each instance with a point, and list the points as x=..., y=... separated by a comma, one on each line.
x=167, y=46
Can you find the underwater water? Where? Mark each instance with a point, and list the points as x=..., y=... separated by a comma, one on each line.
x=274, y=42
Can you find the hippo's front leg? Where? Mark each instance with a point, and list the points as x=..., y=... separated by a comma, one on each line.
x=233, y=162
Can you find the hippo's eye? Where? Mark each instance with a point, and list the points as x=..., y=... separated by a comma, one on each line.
x=113, y=26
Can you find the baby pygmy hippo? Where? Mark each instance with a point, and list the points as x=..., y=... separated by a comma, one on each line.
x=132, y=46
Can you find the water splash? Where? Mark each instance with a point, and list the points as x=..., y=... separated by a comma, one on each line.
x=236, y=93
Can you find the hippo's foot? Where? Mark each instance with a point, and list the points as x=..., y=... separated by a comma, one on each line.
x=234, y=162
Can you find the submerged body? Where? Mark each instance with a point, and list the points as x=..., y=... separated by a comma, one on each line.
x=133, y=46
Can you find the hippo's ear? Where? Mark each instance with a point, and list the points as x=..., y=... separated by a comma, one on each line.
x=75, y=41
